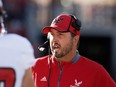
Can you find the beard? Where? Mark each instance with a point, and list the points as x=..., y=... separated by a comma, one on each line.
x=63, y=50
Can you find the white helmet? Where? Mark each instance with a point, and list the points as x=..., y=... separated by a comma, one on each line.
x=2, y=13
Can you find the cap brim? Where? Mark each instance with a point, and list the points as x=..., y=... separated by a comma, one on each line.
x=47, y=29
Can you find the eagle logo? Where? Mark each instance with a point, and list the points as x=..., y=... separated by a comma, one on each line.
x=57, y=20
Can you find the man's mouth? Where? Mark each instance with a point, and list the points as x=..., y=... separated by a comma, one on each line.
x=56, y=47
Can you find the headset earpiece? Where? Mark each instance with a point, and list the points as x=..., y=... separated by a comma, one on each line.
x=77, y=23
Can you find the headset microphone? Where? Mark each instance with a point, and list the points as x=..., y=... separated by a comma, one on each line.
x=41, y=48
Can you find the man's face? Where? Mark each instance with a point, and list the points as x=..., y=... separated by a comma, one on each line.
x=61, y=43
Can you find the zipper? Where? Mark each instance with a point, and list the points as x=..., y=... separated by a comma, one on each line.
x=59, y=78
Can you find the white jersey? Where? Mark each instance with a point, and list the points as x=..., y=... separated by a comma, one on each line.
x=16, y=55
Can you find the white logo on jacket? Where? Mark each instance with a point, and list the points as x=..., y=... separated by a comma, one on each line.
x=43, y=79
x=77, y=84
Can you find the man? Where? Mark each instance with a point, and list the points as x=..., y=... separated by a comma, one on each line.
x=16, y=58
x=66, y=67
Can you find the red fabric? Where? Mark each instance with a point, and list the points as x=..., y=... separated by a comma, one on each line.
x=7, y=75
x=62, y=23
x=83, y=73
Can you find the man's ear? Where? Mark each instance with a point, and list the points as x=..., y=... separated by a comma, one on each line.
x=76, y=38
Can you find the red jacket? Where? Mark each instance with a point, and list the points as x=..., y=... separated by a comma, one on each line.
x=80, y=72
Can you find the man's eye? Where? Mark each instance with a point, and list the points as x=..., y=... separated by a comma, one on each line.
x=60, y=33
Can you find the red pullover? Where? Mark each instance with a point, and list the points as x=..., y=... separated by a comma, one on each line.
x=80, y=72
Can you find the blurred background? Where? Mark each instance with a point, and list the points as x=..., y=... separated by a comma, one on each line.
x=98, y=32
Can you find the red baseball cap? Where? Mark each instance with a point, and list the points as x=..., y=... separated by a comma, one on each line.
x=62, y=23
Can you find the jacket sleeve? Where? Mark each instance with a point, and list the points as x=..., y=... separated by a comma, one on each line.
x=103, y=79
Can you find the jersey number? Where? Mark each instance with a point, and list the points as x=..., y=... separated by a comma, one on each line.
x=7, y=76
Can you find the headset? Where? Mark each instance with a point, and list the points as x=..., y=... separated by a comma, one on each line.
x=76, y=24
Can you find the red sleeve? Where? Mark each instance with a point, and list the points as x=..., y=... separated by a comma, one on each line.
x=103, y=79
